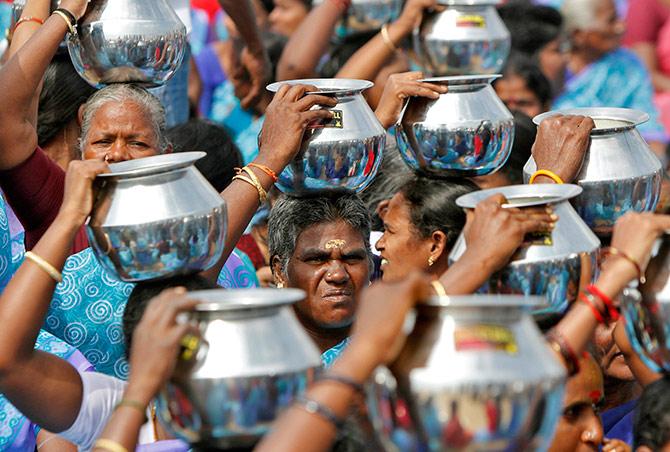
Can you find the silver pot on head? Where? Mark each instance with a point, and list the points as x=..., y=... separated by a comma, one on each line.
x=475, y=374
x=251, y=360
x=123, y=41
x=466, y=132
x=156, y=217
x=343, y=153
x=365, y=16
x=554, y=264
x=462, y=37
x=619, y=174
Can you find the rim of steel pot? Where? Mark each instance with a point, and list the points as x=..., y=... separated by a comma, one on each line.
x=469, y=2
x=523, y=195
x=225, y=300
x=462, y=80
x=487, y=301
x=326, y=85
x=152, y=165
x=627, y=117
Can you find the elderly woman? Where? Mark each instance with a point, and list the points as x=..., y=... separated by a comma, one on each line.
x=321, y=245
x=602, y=74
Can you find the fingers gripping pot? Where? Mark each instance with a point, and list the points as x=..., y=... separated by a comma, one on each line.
x=254, y=358
x=467, y=131
x=475, y=374
x=122, y=41
x=647, y=311
x=620, y=173
x=554, y=264
x=343, y=153
x=462, y=37
x=156, y=217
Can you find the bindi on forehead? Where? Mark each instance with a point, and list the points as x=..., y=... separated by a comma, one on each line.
x=335, y=244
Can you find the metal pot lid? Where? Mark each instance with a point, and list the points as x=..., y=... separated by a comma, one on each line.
x=523, y=195
x=326, y=85
x=487, y=301
x=222, y=300
x=469, y=2
x=608, y=120
x=456, y=80
x=153, y=165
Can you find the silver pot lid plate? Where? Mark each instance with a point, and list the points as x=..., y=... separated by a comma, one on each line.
x=337, y=86
x=523, y=195
x=462, y=80
x=152, y=165
x=469, y=2
x=227, y=300
x=608, y=120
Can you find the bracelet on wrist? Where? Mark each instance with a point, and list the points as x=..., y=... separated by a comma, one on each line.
x=612, y=251
x=558, y=343
x=344, y=380
x=313, y=407
x=611, y=311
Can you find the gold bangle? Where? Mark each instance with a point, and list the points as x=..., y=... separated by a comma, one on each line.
x=262, y=194
x=254, y=178
x=62, y=15
x=44, y=265
x=134, y=404
x=550, y=174
x=438, y=287
x=387, y=39
x=110, y=445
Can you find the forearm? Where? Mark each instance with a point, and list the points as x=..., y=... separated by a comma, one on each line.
x=309, y=42
x=466, y=275
x=242, y=13
x=38, y=9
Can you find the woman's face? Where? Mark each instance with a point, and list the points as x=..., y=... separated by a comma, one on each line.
x=401, y=248
x=330, y=263
x=553, y=60
x=287, y=15
x=580, y=428
x=605, y=33
x=612, y=361
x=514, y=92
x=119, y=132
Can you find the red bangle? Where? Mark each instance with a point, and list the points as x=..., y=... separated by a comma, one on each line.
x=23, y=20
x=612, y=312
x=589, y=302
x=342, y=4
x=271, y=174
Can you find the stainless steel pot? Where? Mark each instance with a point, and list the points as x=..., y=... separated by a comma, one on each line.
x=340, y=154
x=647, y=311
x=475, y=374
x=364, y=16
x=467, y=131
x=462, y=37
x=119, y=41
x=253, y=360
x=156, y=217
x=620, y=172
x=555, y=264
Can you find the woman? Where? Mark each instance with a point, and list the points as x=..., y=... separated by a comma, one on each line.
x=523, y=87
x=287, y=15
x=602, y=74
x=321, y=245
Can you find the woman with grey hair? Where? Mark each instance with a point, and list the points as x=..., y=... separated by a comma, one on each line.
x=321, y=245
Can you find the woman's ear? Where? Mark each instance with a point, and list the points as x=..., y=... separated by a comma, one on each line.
x=438, y=246
x=277, y=271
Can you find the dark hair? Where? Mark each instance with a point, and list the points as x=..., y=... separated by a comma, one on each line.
x=526, y=68
x=340, y=53
x=223, y=156
x=524, y=137
x=63, y=92
x=290, y=216
x=651, y=424
x=531, y=26
x=274, y=45
x=145, y=291
x=432, y=205
x=392, y=174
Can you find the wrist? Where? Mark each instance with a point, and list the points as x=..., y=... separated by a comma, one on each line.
x=140, y=391
x=402, y=27
x=69, y=220
x=358, y=361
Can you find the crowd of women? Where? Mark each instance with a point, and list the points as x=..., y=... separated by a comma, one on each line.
x=82, y=354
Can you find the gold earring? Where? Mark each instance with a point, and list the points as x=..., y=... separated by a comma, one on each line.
x=431, y=261
x=280, y=285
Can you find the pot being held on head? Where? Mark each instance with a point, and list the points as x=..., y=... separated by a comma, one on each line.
x=343, y=153
x=647, y=311
x=251, y=362
x=553, y=264
x=620, y=173
x=475, y=374
x=365, y=16
x=466, y=132
x=123, y=41
x=156, y=217
x=462, y=37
